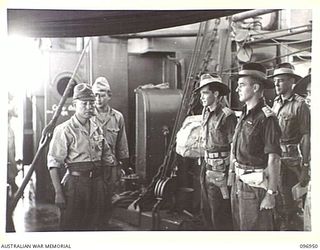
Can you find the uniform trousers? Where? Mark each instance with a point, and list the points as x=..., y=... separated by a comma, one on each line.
x=245, y=205
x=287, y=208
x=215, y=210
x=85, y=203
x=307, y=211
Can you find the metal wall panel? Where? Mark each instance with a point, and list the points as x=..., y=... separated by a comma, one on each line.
x=61, y=66
x=156, y=110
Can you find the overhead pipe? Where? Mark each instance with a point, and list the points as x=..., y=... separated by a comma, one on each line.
x=158, y=34
x=279, y=36
x=252, y=13
x=283, y=30
x=178, y=74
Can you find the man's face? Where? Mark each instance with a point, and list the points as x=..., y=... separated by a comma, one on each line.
x=102, y=98
x=207, y=97
x=245, y=88
x=84, y=108
x=283, y=84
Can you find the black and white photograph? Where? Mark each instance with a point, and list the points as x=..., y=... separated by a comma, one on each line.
x=123, y=123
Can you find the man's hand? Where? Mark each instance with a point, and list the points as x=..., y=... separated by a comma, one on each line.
x=304, y=177
x=60, y=200
x=268, y=202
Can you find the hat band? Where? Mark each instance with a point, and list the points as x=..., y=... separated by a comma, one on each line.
x=84, y=98
x=251, y=72
x=209, y=80
x=282, y=71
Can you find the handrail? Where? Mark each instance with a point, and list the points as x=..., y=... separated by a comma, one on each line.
x=46, y=134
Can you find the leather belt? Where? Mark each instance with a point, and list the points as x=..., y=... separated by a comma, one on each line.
x=216, y=155
x=241, y=169
x=88, y=173
x=286, y=148
x=290, y=150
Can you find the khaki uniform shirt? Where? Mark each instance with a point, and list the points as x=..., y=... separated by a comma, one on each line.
x=72, y=143
x=257, y=134
x=113, y=127
x=294, y=118
x=218, y=128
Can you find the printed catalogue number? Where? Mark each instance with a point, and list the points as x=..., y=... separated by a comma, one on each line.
x=307, y=246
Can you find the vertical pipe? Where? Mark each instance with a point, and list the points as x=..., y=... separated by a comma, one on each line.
x=90, y=63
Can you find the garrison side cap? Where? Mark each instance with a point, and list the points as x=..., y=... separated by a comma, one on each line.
x=83, y=91
x=214, y=80
x=101, y=84
x=255, y=70
x=285, y=69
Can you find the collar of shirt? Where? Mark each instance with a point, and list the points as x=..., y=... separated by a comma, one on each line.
x=280, y=99
x=255, y=109
x=213, y=107
x=104, y=117
x=77, y=124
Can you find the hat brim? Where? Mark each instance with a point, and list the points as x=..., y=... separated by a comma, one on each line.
x=267, y=83
x=222, y=88
x=301, y=87
x=297, y=77
x=85, y=98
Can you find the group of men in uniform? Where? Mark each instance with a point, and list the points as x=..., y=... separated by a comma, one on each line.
x=92, y=146
x=262, y=155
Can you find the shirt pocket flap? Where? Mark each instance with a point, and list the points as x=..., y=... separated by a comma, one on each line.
x=113, y=130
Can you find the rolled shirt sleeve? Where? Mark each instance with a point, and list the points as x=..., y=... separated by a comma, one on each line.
x=231, y=122
x=58, y=148
x=304, y=118
x=122, y=151
x=272, y=134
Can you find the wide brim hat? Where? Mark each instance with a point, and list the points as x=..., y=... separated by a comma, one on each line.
x=257, y=71
x=301, y=87
x=285, y=69
x=215, y=81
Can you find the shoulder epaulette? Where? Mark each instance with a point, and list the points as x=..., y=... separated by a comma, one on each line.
x=227, y=111
x=268, y=111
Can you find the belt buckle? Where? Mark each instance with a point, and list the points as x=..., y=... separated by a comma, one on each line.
x=248, y=171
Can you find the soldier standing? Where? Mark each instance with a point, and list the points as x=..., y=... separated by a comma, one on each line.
x=218, y=127
x=255, y=154
x=294, y=119
x=78, y=144
x=111, y=122
x=303, y=88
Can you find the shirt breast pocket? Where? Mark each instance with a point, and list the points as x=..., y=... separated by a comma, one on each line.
x=250, y=129
x=217, y=133
x=287, y=120
x=252, y=133
x=112, y=134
